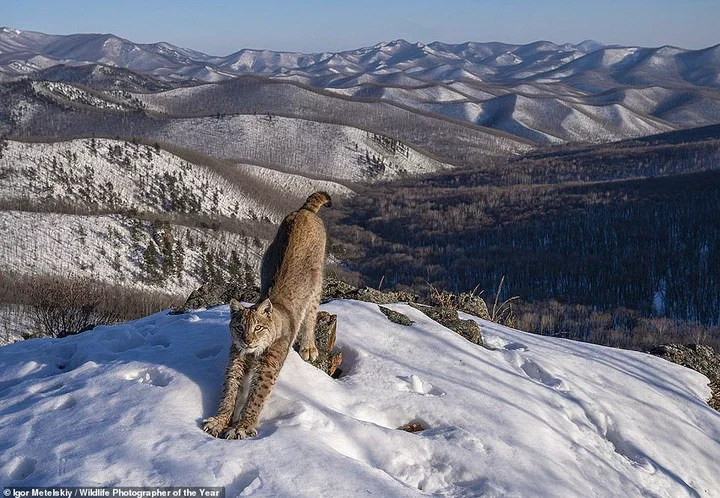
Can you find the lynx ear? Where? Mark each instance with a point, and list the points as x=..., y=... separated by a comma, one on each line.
x=235, y=305
x=266, y=307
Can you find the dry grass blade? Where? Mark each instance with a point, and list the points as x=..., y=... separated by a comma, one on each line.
x=502, y=313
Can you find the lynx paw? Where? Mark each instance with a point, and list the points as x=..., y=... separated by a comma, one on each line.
x=213, y=426
x=309, y=352
x=240, y=431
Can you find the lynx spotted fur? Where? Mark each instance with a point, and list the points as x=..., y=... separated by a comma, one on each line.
x=290, y=287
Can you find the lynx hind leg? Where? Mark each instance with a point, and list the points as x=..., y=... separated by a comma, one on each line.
x=237, y=368
x=308, y=347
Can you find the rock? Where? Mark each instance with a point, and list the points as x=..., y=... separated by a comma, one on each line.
x=329, y=358
x=470, y=303
x=213, y=294
x=337, y=289
x=395, y=316
x=698, y=357
x=412, y=427
x=448, y=317
x=467, y=302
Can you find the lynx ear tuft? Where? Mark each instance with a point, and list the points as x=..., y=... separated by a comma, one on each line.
x=235, y=305
x=266, y=307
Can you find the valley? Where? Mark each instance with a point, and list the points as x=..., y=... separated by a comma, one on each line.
x=583, y=175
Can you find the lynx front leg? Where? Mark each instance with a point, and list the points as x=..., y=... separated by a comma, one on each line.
x=308, y=347
x=263, y=381
x=236, y=370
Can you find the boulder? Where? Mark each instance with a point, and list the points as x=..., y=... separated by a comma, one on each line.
x=329, y=358
x=698, y=357
x=214, y=294
x=337, y=289
x=396, y=316
x=448, y=317
x=470, y=303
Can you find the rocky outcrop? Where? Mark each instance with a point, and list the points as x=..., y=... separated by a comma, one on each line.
x=329, y=358
x=470, y=303
x=211, y=294
x=700, y=358
x=448, y=317
x=396, y=316
x=337, y=289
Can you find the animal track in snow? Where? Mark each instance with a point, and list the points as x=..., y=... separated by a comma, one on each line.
x=126, y=341
x=151, y=376
x=455, y=435
x=414, y=384
x=65, y=351
x=595, y=421
x=43, y=389
x=20, y=467
x=538, y=373
x=515, y=346
x=628, y=450
x=160, y=340
x=208, y=352
x=495, y=343
x=65, y=402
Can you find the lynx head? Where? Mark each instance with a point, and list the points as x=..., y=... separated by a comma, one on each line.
x=252, y=329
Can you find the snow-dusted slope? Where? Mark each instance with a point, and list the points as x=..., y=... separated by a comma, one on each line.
x=305, y=147
x=526, y=416
x=583, y=64
x=115, y=175
x=110, y=249
x=458, y=81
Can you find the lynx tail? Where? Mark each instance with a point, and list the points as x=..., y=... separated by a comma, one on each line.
x=316, y=201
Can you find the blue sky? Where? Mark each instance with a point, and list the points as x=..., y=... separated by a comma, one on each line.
x=222, y=27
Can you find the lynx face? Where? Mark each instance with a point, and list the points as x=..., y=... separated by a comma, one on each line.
x=252, y=329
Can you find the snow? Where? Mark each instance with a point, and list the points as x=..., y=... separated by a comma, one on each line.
x=304, y=147
x=80, y=170
x=104, y=248
x=288, y=184
x=524, y=416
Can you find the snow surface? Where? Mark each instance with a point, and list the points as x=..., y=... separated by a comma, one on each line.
x=102, y=248
x=305, y=147
x=403, y=73
x=136, y=175
x=525, y=416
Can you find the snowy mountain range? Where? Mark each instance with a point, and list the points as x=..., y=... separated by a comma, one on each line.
x=393, y=63
x=521, y=416
x=540, y=92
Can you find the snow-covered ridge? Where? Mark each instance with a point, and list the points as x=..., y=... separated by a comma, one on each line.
x=208, y=218
x=112, y=174
x=524, y=416
x=304, y=147
x=110, y=249
x=494, y=62
x=417, y=76
x=115, y=175
x=114, y=101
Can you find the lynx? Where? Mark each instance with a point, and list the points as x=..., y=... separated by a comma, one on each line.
x=291, y=276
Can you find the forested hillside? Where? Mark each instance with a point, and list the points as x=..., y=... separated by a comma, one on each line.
x=630, y=225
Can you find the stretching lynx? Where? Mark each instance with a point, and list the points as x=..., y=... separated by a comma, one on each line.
x=290, y=287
